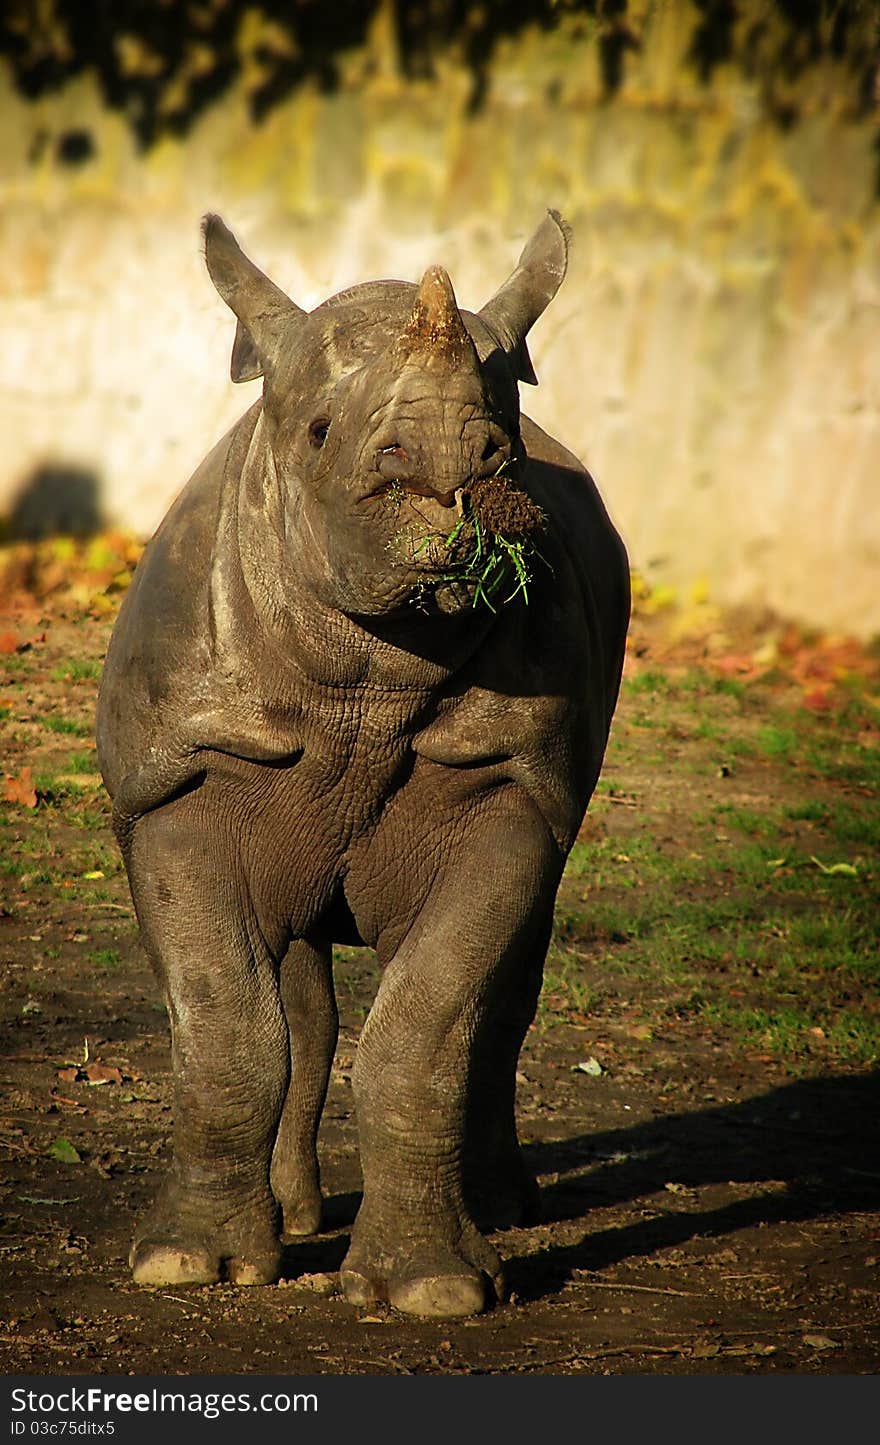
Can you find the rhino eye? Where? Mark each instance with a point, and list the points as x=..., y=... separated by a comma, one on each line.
x=318, y=430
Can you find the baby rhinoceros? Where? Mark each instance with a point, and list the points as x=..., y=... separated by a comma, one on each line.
x=359, y=691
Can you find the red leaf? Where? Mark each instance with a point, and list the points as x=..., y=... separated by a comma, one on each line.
x=102, y=1074
x=819, y=700
x=21, y=789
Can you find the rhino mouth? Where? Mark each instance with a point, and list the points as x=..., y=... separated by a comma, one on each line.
x=487, y=556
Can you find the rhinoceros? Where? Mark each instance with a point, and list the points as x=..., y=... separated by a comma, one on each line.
x=359, y=691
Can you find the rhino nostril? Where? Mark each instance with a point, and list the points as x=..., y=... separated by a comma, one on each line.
x=394, y=464
x=495, y=453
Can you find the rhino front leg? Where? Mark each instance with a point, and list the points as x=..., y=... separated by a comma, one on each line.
x=216, y=1215
x=313, y=1025
x=415, y=1243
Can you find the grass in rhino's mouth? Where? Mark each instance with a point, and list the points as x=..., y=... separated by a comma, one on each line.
x=491, y=545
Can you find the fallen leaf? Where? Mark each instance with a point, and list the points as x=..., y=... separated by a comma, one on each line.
x=21, y=789
x=588, y=1066
x=102, y=1074
x=68, y=1076
x=819, y=699
x=821, y=1342
x=95, y=873
x=63, y=1150
x=843, y=870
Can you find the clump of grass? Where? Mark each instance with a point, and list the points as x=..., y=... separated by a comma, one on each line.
x=489, y=564
x=491, y=546
x=67, y=725
x=85, y=669
x=105, y=957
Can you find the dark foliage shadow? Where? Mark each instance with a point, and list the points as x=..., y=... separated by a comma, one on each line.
x=161, y=65
x=818, y=1137
x=57, y=498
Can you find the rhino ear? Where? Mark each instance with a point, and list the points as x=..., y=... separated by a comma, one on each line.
x=516, y=306
x=245, y=364
x=264, y=312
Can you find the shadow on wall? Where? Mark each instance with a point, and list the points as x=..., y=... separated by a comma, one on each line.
x=57, y=498
x=143, y=55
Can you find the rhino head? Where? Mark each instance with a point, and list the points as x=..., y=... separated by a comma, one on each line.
x=389, y=436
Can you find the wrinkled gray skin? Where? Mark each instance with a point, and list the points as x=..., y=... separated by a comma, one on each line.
x=310, y=737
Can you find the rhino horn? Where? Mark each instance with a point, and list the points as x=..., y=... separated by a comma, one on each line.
x=264, y=312
x=435, y=328
x=516, y=306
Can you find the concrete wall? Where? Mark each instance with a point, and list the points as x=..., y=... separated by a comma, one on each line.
x=713, y=354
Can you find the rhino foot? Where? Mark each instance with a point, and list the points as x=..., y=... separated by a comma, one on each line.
x=296, y=1185
x=429, y=1280
x=301, y=1217
x=173, y=1248
x=180, y=1264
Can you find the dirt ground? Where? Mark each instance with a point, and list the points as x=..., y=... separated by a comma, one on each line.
x=709, y=1207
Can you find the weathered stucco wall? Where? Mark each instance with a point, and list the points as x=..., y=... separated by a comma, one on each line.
x=713, y=354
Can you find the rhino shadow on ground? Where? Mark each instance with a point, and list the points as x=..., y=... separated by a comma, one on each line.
x=819, y=1137
x=57, y=497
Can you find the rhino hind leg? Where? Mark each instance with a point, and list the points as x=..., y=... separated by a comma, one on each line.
x=501, y=1192
x=215, y=1217
x=313, y=1026
x=415, y=1242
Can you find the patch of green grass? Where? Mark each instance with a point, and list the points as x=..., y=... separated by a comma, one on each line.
x=856, y=823
x=565, y=983
x=33, y=877
x=795, y=1032
x=105, y=957
x=708, y=682
x=77, y=669
x=67, y=725
x=88, y=819
x=82, y=763
x=649, y=680
x=52, y=789
x=748, y=820
x=777, y=742
x=811, y=810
